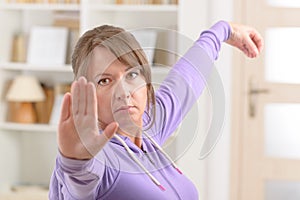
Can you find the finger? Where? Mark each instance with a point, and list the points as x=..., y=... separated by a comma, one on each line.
x=258, y=40
x=82, y=96
x=91, y=99
x=251, y=46
x=246, y=51
x=75, y=97
x=65, y=107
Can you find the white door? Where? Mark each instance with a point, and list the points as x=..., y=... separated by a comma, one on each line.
x=266, y=116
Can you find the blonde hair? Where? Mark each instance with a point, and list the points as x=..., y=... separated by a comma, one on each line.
x=122, y=44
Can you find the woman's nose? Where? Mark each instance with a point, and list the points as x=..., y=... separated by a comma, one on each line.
x=122, y=91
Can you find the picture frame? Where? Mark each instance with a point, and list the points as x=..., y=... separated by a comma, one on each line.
x=47, y=45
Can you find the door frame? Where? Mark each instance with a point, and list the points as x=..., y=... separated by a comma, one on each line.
x=238, y=110
x=271, y=168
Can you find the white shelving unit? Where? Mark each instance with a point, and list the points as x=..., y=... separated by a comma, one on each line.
x=39, y=6
x=30, y=67
x=28, y=151
x=9, y=126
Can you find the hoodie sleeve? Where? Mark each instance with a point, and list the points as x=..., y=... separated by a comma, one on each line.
x=187, y=79
x=74, y=179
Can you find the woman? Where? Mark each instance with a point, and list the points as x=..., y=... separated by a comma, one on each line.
x=113, y=93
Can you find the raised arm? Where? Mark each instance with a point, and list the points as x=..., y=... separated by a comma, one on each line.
x=187, y=79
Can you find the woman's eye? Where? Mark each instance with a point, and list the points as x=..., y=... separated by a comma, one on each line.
x=132, y=75
x=104, y=81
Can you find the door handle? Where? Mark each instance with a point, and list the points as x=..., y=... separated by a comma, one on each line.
x=253, y=93
x=258, y=91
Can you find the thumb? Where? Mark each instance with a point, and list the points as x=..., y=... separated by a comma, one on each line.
x=65, y=107
x=110, y=130
x=95, y=144
x=103, y=138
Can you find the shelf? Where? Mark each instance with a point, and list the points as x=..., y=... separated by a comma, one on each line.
x=93, y=6
x=39, y=6
x=134, y=8
x=30, y=67
x=64, y=68
x=10, y=126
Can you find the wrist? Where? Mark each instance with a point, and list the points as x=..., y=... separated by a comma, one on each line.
x=72, y=165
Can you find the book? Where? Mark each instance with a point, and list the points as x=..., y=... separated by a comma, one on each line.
x=59, y=91
x=18, y=48
x=69, y=20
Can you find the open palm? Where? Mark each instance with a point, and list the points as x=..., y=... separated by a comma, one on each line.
x=78, y=132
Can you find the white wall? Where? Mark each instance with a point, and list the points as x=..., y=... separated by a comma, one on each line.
x=210, y=175
x=218, y=166
x=192, y=20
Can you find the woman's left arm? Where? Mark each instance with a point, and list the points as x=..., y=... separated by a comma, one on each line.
x=187, y=79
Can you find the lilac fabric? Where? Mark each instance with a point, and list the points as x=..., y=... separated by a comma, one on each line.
x=112, y=174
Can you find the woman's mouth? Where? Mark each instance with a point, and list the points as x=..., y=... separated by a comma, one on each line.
x=127, y=108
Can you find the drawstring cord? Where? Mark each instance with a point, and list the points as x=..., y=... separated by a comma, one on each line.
x=139, y=163
x=163, y=152
x=130, y=152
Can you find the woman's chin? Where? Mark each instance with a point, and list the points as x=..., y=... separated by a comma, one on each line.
x=129, y=127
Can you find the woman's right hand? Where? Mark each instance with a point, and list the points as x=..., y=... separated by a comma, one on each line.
x=247, y=39
x=78, y=132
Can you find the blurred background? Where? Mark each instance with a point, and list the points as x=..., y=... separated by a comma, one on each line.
x=257, y=155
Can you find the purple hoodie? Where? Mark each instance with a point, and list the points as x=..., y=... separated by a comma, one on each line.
x=113, y=174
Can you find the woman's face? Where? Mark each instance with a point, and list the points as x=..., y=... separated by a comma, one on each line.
x=121, y=91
